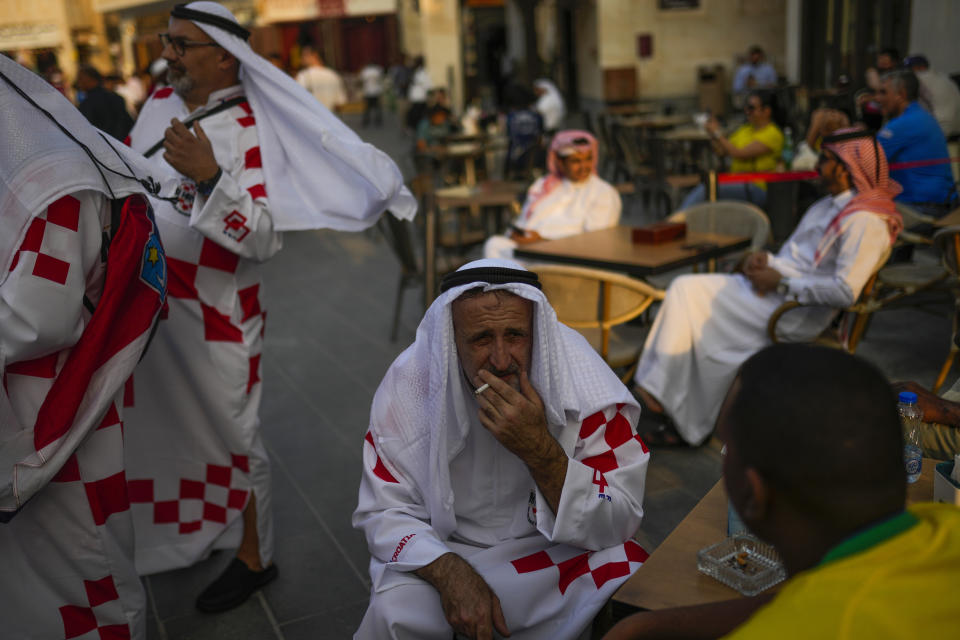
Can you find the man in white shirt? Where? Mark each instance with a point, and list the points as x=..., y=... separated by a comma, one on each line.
x=324, y=83
x=372, y=77
x=570, y=199
x=502, y=476
x=709, y=324
x=941, y=92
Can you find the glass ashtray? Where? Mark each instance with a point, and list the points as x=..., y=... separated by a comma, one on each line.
x=743, y=563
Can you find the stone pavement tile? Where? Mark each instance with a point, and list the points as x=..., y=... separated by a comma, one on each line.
x=314, y=578
x=174, y=592
x=249, y=621
x=329, y=479
x=337, y=624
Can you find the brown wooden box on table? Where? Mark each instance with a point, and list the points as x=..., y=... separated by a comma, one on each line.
x=659, y=233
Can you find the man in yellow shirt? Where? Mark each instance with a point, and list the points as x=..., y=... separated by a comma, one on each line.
x=814, y=465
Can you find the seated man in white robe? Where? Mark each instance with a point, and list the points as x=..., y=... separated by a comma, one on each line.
x=709, y=324
x=570, y=199
x=502, y=475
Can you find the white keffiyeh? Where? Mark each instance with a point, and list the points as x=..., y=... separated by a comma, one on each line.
x=419, y=416
x=319, y=173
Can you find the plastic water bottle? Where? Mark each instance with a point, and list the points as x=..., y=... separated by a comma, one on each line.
x=910, y=418
x=788, y=153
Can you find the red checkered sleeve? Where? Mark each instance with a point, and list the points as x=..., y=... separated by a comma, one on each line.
x=392, y=515
x=236, y=215
x=41, y=299
x=601, y=504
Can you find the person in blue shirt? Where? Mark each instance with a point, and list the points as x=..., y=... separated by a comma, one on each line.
x=755, y=74
x=912, y=134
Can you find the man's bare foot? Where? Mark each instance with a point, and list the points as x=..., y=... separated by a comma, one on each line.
x=648, y=399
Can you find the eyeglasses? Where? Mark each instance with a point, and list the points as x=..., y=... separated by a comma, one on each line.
x=180, y=45
x=750, y=108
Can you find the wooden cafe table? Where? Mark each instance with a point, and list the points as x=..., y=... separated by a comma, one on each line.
x=670, y=578
x=614, y=249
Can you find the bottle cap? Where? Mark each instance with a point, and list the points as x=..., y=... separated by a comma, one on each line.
x=908, y=397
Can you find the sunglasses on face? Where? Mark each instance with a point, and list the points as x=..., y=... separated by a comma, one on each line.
x=180, y=45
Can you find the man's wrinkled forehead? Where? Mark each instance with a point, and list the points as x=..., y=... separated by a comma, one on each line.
x=476, y=302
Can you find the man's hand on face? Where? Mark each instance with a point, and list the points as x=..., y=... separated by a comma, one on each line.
x=469, y=604
x=515, y=418
x=191, y=155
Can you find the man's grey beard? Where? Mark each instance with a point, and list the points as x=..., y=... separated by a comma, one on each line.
x=181, y=82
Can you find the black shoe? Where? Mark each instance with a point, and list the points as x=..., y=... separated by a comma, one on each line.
x=234, y=586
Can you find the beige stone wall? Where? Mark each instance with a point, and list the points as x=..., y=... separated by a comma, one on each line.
x=589, y=76
x=716, y=33
x=441, y=45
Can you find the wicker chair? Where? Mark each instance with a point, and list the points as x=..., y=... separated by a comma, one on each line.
x=947, y=242
x=731, y=217
x=598, y=304
x=853, y=325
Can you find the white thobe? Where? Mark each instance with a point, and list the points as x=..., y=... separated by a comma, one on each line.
x=194, y=449
x=68, y=552
x=551, y=573
x=570, y=208
x=708, y=325
x=325, y=84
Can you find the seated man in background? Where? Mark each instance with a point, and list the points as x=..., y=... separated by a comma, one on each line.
x=814, y=465
x=940, y=91
x=569, y=200
x=756, y=73
x=502, y=476
x=709, y=324
x=754, y=146
x=434, y=127
x=823, y=122
x=912, y=134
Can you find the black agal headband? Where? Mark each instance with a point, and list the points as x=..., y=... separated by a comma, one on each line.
x=185, y=13
x=489, y=275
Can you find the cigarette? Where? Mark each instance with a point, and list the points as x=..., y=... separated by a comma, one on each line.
x=480, y=390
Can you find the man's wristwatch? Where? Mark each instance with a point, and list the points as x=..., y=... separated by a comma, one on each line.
x=783, y=287
x=205, y=188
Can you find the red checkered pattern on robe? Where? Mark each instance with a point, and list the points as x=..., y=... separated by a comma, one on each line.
x=80, y=619
x=624, y=444
x=62, y=215
x=580, y=565
x=214, y=271
x=198, y=500
x=379, y=468
x=107, y=490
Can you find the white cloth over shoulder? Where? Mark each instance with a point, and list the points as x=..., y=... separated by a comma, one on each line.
x=709, y=324
x=319, y=173
x=36, y=152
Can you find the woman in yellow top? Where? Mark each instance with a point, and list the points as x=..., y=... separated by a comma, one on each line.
x=755, y=146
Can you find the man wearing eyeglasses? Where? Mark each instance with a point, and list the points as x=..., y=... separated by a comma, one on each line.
x=216, y=233
x=198, y=473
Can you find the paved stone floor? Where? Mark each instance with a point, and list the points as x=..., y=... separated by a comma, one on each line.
x=330, y=300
